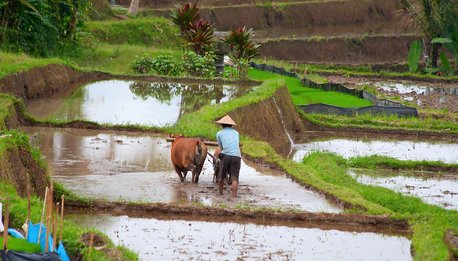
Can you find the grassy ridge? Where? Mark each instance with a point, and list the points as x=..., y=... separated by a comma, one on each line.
x=429, y=124
x=302, y=95
x=376, y=161
x=11, y=63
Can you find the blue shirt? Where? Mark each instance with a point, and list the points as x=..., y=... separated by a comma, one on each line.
x=228, y=141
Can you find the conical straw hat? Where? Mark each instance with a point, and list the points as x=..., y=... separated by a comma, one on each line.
x=226, y=120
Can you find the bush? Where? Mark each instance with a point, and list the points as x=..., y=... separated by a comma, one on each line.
x=143, y=64
x=199, y=65
x=162, y=65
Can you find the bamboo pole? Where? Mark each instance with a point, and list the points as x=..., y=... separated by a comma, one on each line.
x=7, y=221
x=54, y=229
x=43, y=214
x=61, y=217
x=49, y=218
x=48, y=213
x=91, y=242
x=207, y=142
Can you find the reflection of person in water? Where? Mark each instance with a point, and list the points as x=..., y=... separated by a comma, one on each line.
x=228, y=143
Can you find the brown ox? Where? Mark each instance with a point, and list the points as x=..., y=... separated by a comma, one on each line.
x=188, y=154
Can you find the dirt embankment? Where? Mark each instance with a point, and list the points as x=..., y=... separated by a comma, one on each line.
x=271, y=120
x=368, y=50
x=45, y=80
x=171, y=3
x=340, y=17
x=17, y=167
x=346, y=222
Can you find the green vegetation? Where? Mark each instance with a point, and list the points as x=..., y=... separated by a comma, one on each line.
x=242, y=49
x=40, y=28
x=302, y=95
x=11, y=63
x=21, y=245
x=149, y=31
x=429, y=124
x=372, y=162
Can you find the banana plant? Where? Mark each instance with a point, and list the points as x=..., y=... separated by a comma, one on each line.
x=414, y=55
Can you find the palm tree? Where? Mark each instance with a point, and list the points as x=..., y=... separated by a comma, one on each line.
x=432, y=18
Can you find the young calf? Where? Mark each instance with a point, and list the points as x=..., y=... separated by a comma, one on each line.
x=188, y=154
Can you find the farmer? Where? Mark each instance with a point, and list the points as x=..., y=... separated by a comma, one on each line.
x=228, y=143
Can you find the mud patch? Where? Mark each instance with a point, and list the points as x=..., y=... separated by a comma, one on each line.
x=132, y=102
x=403, y=150
x=110, y=164
x=432, y=188
x=165, y=238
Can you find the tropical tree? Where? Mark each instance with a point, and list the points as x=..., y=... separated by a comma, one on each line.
x=241, y=49
x=38, y=26
x=432, y=18
x=185, y=16
x=200, y=36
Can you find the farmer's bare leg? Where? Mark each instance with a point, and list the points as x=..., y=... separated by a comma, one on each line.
x=235, y=187
x=221, y=186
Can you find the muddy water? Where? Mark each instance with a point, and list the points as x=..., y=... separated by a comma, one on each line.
x=441, y=191
x=137, y=167
x=133, y=102
x=163, y=239
x=403, y=150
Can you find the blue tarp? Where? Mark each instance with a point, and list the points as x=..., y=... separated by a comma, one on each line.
x=62, y=253
x=32, y=237
x=14, y=233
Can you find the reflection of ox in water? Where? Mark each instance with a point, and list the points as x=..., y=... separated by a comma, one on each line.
x=188, y=154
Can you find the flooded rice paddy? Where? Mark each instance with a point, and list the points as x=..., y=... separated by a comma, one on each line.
x=403, y=150
x=441, y=190
x=424, y=95
x=182, y=239
x=137, y=167
x=132, y=102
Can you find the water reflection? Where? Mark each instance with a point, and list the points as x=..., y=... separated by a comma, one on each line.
x=134, y=102
x=156, y=239
x=403, y=150
x=441, y=191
